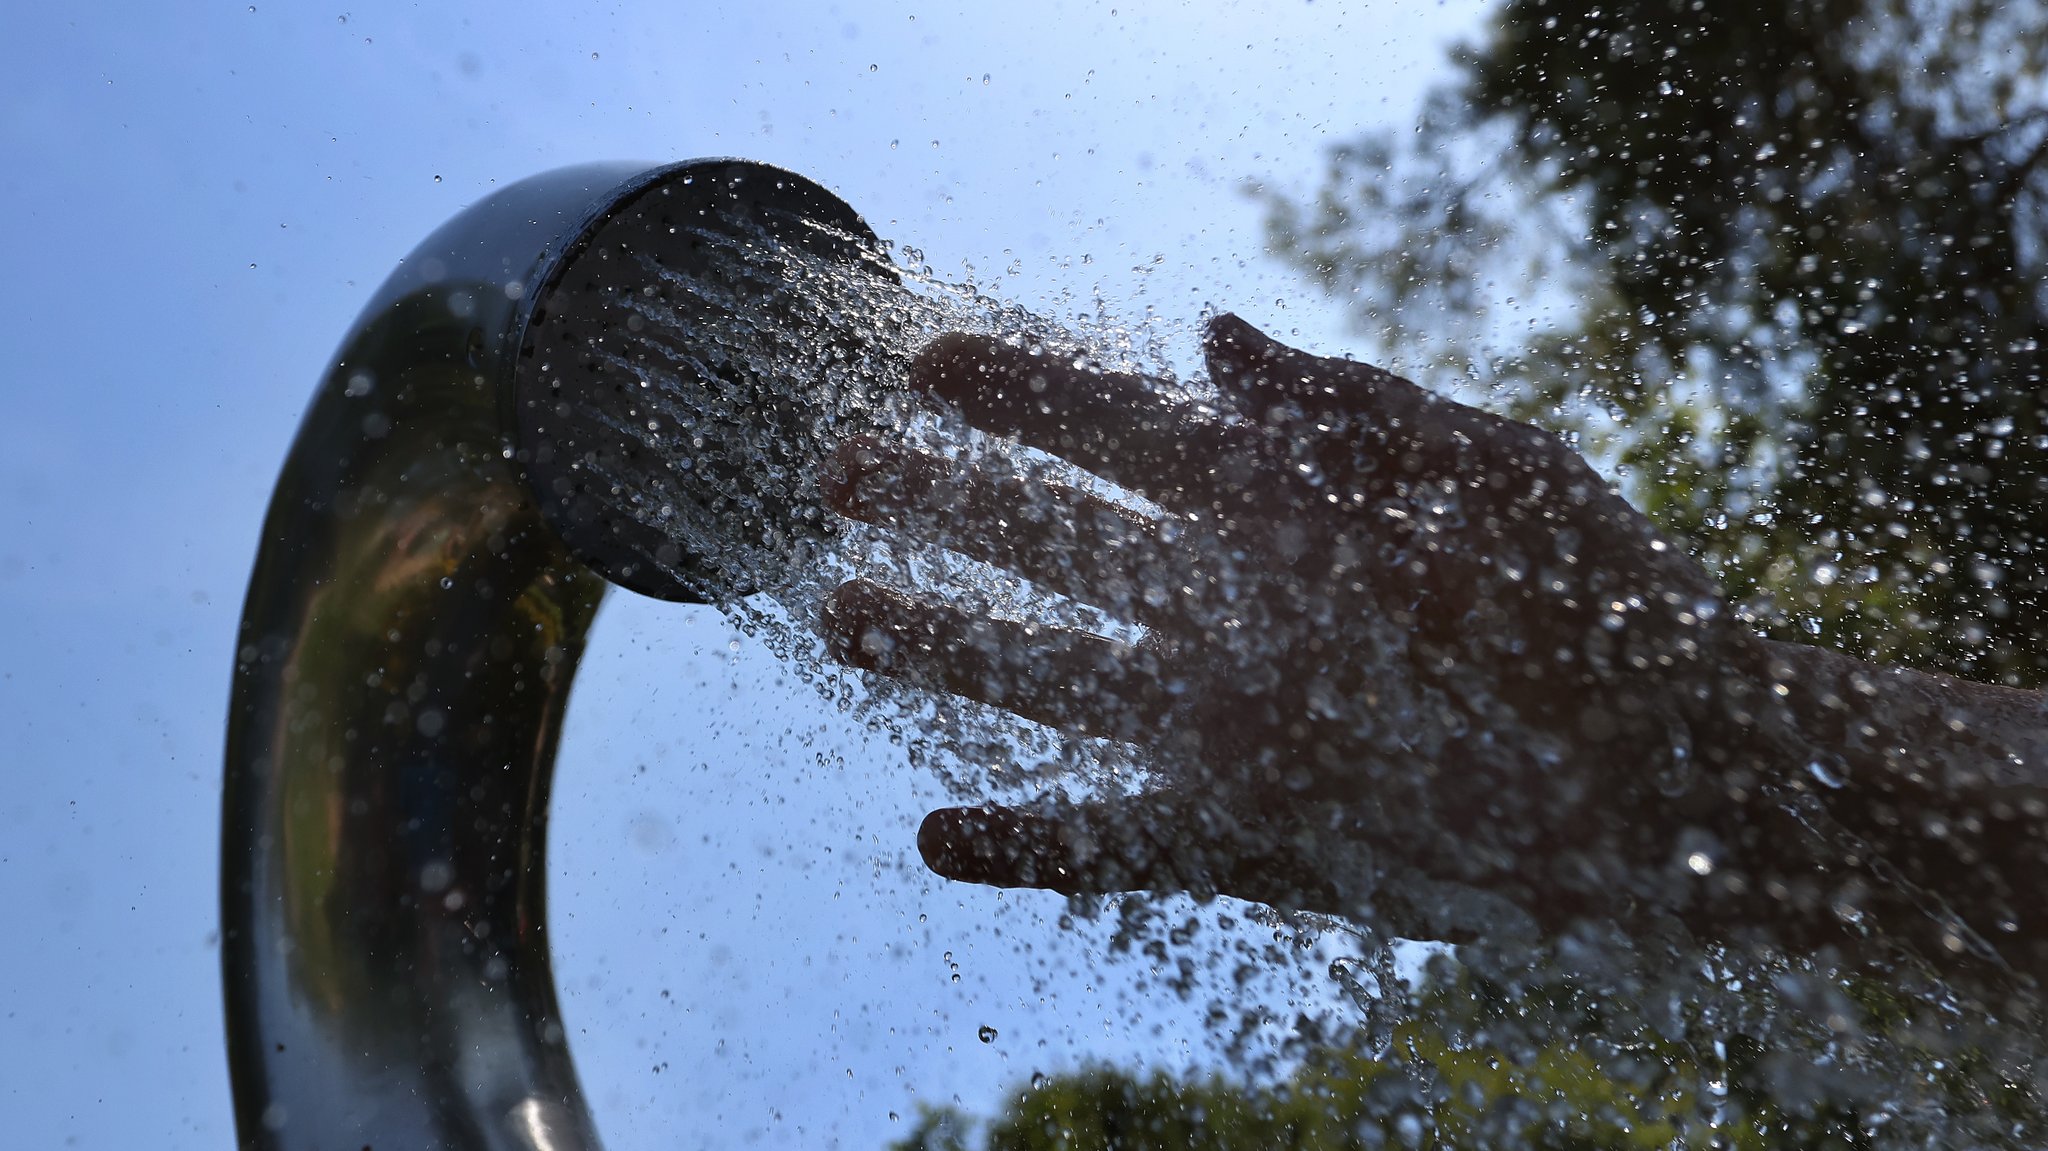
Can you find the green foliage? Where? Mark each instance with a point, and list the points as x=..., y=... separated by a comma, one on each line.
x=937, y=1129
x=1781, y=264
x=1462, y=1079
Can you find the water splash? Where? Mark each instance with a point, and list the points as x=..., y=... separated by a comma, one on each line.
x=753, y=368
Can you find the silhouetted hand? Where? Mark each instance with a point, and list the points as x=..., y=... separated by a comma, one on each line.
x=1394, y=648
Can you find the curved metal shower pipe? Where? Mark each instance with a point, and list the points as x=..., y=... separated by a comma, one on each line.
x=427, y=576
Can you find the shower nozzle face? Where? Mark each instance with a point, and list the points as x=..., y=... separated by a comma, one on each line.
x=688, y=366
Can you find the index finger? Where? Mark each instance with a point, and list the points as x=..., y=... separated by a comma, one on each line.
x=1127, y=428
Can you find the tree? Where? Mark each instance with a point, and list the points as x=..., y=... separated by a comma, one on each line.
x=1795, y=253
x=1438, y=1082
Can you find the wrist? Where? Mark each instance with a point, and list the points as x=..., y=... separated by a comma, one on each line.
x=1879, y=808
x=1746, y=870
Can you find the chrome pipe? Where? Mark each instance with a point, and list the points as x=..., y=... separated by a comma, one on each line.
x=430, y=565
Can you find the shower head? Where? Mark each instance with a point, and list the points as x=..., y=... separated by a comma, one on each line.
x=676, y=378
x=496, y=439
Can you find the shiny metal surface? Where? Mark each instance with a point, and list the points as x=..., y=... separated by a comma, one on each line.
x=411, y=632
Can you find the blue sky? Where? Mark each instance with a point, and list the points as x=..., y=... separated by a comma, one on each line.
x=199, y=196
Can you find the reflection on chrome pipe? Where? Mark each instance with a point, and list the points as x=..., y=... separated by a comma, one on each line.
x=413, y=624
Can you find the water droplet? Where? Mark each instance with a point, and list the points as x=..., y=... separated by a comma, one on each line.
x=1826, y=775
x=987, y=1034
x=874, y=67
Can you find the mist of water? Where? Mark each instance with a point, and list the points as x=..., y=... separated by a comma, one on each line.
x=755, y=373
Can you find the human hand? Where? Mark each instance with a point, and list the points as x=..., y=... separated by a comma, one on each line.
x=1387, y=637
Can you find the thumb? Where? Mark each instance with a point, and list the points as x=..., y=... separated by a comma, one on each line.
x=1266, y=377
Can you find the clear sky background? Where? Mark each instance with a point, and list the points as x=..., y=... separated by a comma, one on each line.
x=198, y=196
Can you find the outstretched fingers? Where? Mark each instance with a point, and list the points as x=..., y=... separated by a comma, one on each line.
x=1403, y=429
x=1063, y=850
x=1126, y=428
x=1265, y=377
x=1066, y=540
x=1067, y=679
x=1161, y=842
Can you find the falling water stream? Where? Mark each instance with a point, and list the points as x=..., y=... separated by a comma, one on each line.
x=754, y=374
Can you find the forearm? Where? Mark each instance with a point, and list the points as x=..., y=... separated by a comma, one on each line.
x=1942, y=783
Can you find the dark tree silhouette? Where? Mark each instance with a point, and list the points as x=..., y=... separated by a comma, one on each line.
x=1438, y=1083
x=1794, y=251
